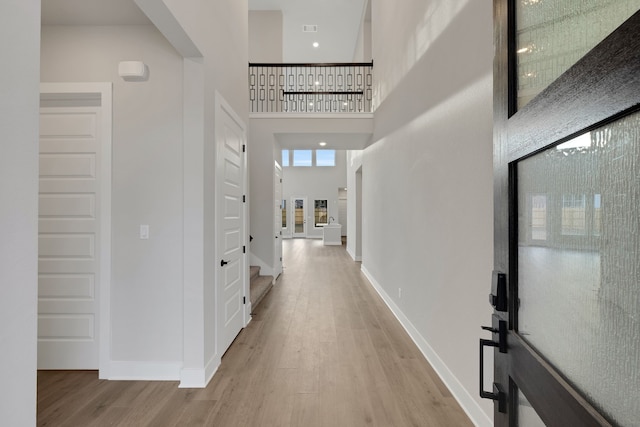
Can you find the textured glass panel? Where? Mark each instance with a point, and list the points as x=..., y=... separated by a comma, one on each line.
x=552, y=35
x=579, y=286
x=527, y=416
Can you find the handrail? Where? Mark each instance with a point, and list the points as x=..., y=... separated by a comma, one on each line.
x=307, y=64
x=339, y=87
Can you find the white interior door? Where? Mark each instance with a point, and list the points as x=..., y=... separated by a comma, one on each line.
x=230, y=136
x=69, y=238
x=299, y=216
x=277, y=226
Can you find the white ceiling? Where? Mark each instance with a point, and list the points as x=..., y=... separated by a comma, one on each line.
x=92, y=12
x=336, y=141
x=338, y=24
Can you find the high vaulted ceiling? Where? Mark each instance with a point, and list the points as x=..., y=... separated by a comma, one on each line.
x=338, y=22
x=92, y=12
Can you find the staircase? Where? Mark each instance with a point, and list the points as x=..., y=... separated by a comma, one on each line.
x=259, y=286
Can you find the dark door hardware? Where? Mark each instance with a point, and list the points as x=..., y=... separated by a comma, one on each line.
x=498, y=395
x=501, y=331
x=223, y=263
x=498, y=295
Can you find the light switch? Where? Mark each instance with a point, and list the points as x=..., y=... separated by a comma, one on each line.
x=144, y=232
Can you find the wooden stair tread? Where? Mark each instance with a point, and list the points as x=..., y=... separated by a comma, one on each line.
x=259, y=285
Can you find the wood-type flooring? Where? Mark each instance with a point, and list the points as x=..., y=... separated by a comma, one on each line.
x=322, y=350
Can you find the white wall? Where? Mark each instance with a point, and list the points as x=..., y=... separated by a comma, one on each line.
x=261, y=190
x=354, y=193
x=219, y=30
x=427, y=181
x=265, y=36
x=146, y=289
x=315, y=183
x=19, y=107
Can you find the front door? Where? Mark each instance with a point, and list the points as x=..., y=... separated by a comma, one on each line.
x=566, y=290
x=299, y=207
x=69, y=238
x=230, y=140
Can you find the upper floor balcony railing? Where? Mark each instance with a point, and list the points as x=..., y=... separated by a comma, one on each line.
x=310, y=88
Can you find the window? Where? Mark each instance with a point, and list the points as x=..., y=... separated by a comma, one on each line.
x=320, y=213
x=302, y=157
x=325, y=157
x=285, y=158
x=283, y=209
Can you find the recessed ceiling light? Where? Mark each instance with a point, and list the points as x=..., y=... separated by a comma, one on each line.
x=316, y=44
x=311, y=104
x=317, y=83
x=322, y=143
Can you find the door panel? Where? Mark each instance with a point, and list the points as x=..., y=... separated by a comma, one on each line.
x=299, y=207
x=69, y=238
x=567, y=174
x=231, y=277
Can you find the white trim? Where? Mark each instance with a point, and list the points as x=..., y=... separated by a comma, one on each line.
x=466, y=401
x=199, y=378
x=353, y=256
x=104, y=91
x=145, y=371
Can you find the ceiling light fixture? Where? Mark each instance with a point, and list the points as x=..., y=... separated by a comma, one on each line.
x=322, y=143
x=316, y=44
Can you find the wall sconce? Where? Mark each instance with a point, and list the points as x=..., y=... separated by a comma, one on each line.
x=133, y=71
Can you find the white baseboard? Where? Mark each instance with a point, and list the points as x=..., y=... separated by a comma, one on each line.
x=199, y=378
x=353, y=255
x=459, y=392
x=145, y=371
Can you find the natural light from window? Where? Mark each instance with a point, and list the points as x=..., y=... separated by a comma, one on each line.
x=302, y=157
x=325, y=157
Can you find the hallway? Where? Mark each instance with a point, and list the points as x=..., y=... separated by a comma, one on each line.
x=322, y=350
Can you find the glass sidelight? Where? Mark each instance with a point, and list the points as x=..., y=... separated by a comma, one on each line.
x=579, y=291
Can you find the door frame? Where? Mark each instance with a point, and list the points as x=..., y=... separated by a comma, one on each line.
x=277, y=223
x=101, y=91
x=293, y=217
x=602, y=74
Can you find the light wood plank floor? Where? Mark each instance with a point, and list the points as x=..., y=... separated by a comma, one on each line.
x=321, y=350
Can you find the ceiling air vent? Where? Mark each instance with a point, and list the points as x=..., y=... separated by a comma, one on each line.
x=309, y=28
